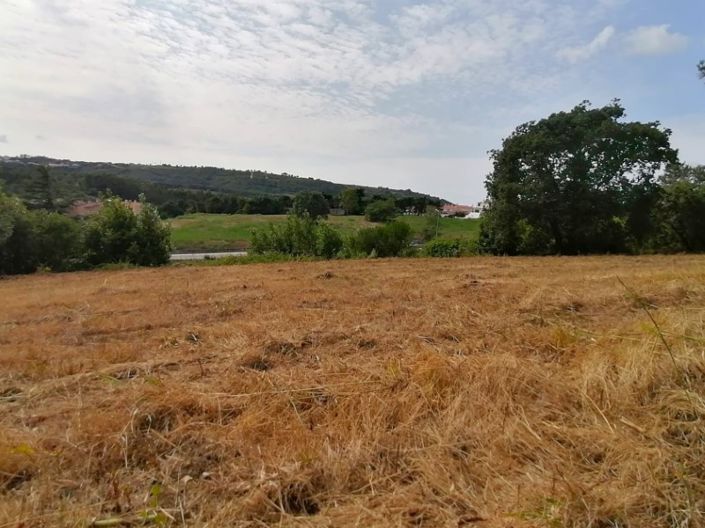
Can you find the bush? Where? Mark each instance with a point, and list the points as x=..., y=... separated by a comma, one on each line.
x=680, y=217
x=312, y=204
x=33, y=239
x=442, y=248
x=390, y=240
x=17, y=238
x=299, y=236
x=329, y=242
x=381, y=211
x=153, y=238
x=116, y=234
x=59, y=241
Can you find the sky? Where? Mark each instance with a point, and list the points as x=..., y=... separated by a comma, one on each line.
x=395, y=93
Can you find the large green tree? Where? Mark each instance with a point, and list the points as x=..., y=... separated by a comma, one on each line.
x=351, y=200
x=39, y=192
x=576, y=182
x=680, y=214
x=17, y=237
x=381, y=211
x=59, y=241
x=117, y=234
x=313, y=204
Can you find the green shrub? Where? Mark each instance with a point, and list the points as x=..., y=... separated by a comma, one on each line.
x=329, y=242
x=18, y=250
x=153, y=238
x=111, y=234
x=299, y=236
x=442, y=248
x=680, y=217
x=390, y=240
x=59, y=241
x=116, y=234
x=312, y=204
x=381, y=211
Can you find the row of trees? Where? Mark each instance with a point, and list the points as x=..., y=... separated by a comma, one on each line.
x=40, y=188
x=315, y=205
x=34, y=239
x=352, y=201
x=586, y=181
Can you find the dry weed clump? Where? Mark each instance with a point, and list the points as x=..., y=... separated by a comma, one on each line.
x=467, y=392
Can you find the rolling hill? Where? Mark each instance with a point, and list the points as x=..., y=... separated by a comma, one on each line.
x=245, y=183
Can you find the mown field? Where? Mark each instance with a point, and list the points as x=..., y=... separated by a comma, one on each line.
x=489, y=392
x=213, y=232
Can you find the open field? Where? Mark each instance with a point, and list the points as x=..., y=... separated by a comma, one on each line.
x=213, y=232
x=470, y=392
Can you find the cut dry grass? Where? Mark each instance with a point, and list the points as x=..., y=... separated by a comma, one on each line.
x=466, y=392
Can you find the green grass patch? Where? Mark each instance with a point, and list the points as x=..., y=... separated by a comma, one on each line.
x=220, y=232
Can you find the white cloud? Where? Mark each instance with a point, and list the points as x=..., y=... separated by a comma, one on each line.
x=3, y=138
x=306, y=86
x=655, y=40
x=581, y=53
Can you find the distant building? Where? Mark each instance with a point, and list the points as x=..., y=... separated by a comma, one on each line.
x=456, y=210
x=463, y=211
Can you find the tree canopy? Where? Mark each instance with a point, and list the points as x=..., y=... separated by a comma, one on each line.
x=117, y=234
x=351, y=200
x=381, y=211
x=680, y=212
x=582, y=181
x=313, y=204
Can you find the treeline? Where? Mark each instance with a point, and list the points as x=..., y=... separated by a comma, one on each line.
x=243, y=183
x=44, y=239
x=585, y=181
x=35, y=184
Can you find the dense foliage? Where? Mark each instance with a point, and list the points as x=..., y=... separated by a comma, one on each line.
x=313, y=205
x=299, y=236
x=17, y=241
x=442, y=248
x=351, y=201
x=136, y=179
x=58, y=241
x=576, y=182
x=117, y=234
x=680, y=210
x=305, y=236
x=381, y=211
x=33, y=239
x=389, y=240
x=56, y=188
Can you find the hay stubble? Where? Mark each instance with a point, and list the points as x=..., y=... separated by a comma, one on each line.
x=467, y=392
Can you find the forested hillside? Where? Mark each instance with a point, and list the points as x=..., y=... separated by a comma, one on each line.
x=17, y=174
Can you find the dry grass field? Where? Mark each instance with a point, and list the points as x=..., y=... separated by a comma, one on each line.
x=470, y=392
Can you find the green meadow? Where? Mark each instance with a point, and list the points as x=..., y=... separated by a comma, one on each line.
x=222, y=232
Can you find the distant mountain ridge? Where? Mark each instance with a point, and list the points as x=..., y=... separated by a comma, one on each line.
x=245, y=183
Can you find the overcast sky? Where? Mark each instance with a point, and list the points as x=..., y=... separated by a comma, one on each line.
x=376, y=92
